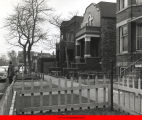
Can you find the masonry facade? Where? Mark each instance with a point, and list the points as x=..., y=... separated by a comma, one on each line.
x=65, y=49
x=129, y=33
x=96, y=39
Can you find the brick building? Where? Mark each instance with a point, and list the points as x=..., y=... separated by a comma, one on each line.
x=96, y=39
x=129, y=35
x=65, y=49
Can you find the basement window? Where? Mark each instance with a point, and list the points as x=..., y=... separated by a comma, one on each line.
x=139, y=36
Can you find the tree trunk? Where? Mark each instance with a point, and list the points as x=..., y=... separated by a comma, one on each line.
x=25, y=63
x=29, y=58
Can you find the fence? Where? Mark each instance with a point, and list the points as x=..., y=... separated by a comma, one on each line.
x=7, y=102
x=128, y=92
x=59, y=95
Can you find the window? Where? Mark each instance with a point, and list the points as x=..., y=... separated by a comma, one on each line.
x=123, y=4
x=139, y=36
x=67, y=36
x=122, y=71
x=90, y=20
x=138, y=2
x=72, y=37
x=124, y=39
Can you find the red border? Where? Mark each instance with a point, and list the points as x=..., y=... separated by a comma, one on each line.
x=71, y=117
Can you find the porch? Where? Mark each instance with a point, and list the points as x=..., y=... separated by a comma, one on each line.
x=88, y=49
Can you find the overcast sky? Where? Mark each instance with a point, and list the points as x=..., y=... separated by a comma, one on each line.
x=62, y=7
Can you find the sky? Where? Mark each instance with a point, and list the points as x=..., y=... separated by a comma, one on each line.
x=61, y=7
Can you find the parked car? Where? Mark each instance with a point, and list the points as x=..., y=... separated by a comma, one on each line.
x=3, y=74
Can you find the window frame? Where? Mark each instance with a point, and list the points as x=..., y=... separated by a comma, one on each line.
x=137, y=49
x=138, y=2
x=122, y=37
x=123, y=4
x=121, y=69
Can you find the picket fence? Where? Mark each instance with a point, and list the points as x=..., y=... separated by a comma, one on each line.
x=62, y=89
x=7, y=103
x=128, y=91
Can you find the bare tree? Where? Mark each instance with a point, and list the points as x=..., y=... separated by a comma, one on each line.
x=25, y=25
x=57, y=20
x=18, y=35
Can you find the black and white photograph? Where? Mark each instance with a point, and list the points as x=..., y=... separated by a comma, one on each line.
x=70, y=57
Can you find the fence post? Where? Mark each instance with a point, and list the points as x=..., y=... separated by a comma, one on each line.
x=104, y=79
x=104, y=95
x=59, y=92
x=32, y=85
x=23, y=84
x=80, y=92
x=124, y=98
x=133, y=82
x=71, y=90
x=50, y=93
x=96, y=95
x=32, y=99
x=80, y=81
x=123, y=81
x=118, y=80
x=41, y=84
x=118, y=97
x=140, y=104
x=96, y=79
x=41, y=101
x=59, y=83
x=139, y=83
x=128, y=79
x=88, y=81
x=66, y=91
x=66, y=82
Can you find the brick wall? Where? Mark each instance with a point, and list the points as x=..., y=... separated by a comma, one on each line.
x=94, y=12
x=127, y=13
x=108, y=36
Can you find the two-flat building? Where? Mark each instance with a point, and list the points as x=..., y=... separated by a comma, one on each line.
x=129, y=35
